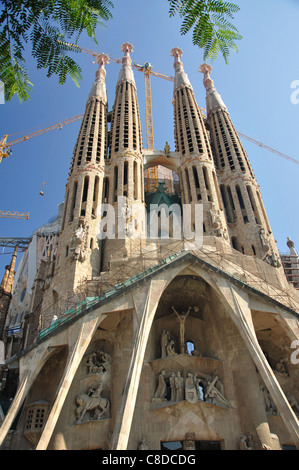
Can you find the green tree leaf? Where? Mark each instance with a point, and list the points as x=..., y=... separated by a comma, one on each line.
x=210, y=20
x=38, y=25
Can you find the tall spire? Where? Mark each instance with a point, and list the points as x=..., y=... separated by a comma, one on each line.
x=126, y=72
x=213, y=98
x=78, y=253
x=125, y=122
x=98, y=89
x=8, y=278
x=181, y=78
x=197, y=171
x=246, y=217
x=6, y=289
x=124, y=168
x=91, y=145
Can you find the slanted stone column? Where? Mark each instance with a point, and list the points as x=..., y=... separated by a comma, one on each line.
x=76, y=353
x=241, y=315
x=29, y=367
x=146, y=301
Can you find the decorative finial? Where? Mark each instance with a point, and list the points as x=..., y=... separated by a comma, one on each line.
x=181, y=78
x=126, y=47
x=126, y=73
x=206, y=69
x=176, y=52
x=102, y=59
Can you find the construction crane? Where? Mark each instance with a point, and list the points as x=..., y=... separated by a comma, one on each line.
x=260, y=144
x=5, y=151
x=5, y=147
x=14, y=215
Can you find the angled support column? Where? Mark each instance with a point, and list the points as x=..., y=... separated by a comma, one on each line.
x=241, y=316
x=29, y=367
x=84, y=338
x=146, y=301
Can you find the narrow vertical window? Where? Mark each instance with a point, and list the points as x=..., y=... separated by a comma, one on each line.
x=125, y=180
x=253, y=205
x=115, y=183
x=188, y=185
x=242, y=205
x=95, y=196
x=73, y=202
x=84, y=196
x=135, y=174
x=196, y=182
x=65, y=209
x=105, y=189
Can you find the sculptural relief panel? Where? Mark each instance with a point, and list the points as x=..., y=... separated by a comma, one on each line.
x=92, y=403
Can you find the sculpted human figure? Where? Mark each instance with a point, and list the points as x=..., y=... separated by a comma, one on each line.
x=170, y=348
x=182, y=318
x=214, y=393
x=143, y=445
x=179, y=387
x=92, y=401
x=245, y=443
x=189, y=442
x=264, y=239
x=191, y=394
x=172, y=387
x=161, y=389
x=165, y=338
x=167, y=148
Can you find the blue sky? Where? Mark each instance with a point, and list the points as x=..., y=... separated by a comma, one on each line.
x=255, y=86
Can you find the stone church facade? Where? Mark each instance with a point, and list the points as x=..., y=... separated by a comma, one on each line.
x=134, y=341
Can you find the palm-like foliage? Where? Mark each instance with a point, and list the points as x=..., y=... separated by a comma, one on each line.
x=210, y=20
x=42, y=23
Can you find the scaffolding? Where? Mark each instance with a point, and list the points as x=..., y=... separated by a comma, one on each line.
x=146, y=259
x=290, y=265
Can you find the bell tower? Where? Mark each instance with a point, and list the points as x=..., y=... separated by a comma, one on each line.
x=249, y=228
x=197, y=172
x=78, y=253
x=124, y=186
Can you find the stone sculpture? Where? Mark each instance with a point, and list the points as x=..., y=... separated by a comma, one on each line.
x=246, y=443
x=281, y=369
x=191, y=392
x=189, y=442
x=182, y=318
x=214, y=392
x=179, y=387
x=160, y=394
x=98, y=362
x=92, y=401
x=143, y=445
x=264, y=239
x=269, y=404
x=79, y=243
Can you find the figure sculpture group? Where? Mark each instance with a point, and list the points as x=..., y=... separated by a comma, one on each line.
x=91, y=406
x=175, y=386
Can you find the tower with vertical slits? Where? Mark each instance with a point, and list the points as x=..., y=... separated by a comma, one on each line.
x=78, y=255
x=249, y=228
x=125, y=175
x=197, y=171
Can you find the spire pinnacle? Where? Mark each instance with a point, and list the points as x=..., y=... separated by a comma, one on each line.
x=181, y=78
x=126, y=73
x=213, y=98
x=98, y=89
